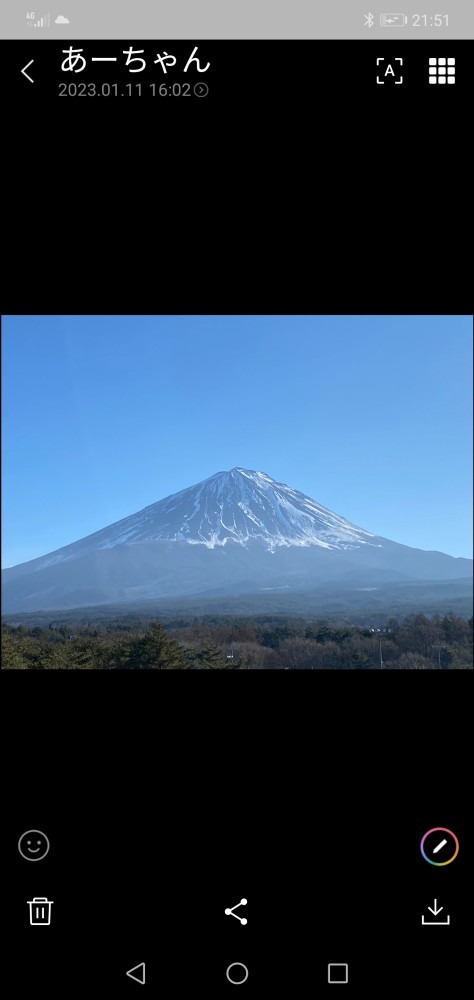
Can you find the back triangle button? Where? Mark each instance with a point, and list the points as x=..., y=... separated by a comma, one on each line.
x=137, y=973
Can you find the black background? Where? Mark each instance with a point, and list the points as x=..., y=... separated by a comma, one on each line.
x=297, y=186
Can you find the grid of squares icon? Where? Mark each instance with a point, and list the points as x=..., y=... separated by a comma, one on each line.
x=442, y=70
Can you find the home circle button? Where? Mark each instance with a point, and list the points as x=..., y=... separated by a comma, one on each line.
x=237, y=973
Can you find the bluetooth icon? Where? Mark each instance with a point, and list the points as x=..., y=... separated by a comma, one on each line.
x=368, y=20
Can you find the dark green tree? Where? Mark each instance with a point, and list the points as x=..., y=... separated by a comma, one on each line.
x=12, y=655
x=156, y=651
x=206, y=658
x=360, y=660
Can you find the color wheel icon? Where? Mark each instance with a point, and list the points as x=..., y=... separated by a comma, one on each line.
x=439, y=846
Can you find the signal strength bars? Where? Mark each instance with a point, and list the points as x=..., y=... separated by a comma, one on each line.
x=42, y=22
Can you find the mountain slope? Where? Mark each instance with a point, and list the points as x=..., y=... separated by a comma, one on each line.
x=236, y=532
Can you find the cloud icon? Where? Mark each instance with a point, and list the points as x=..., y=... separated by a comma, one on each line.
x=61, y=20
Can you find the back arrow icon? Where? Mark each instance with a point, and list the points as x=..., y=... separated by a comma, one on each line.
x=25, y=68
x=137, y=973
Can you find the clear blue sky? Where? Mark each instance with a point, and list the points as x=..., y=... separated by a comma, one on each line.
x=370, y=416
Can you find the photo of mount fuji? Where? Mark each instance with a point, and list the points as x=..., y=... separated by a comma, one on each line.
x=228, y=492
x=237, y=532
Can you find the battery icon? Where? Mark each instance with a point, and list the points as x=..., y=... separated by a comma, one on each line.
x=393, y=20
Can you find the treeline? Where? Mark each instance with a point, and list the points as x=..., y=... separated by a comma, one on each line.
x=101, y=648
x=219, y=643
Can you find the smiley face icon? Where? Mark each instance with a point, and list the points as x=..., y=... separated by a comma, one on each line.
x=33, y=845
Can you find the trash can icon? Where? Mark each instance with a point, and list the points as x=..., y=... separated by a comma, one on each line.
x=40, y=911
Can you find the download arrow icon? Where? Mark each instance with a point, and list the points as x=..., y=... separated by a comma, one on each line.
x=435, y=910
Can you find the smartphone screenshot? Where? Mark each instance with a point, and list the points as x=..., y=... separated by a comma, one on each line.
x=237, y=408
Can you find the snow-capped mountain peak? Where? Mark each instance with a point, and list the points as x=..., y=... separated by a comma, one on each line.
x=236, y=532
x=238, y=506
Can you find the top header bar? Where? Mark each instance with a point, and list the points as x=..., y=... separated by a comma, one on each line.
x=235, y=19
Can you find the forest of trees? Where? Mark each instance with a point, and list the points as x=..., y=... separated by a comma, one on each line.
x=220, y=643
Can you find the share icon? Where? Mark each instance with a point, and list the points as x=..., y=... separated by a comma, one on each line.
x=229, y=912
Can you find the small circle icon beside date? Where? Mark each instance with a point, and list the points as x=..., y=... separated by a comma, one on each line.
x=201, y=89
